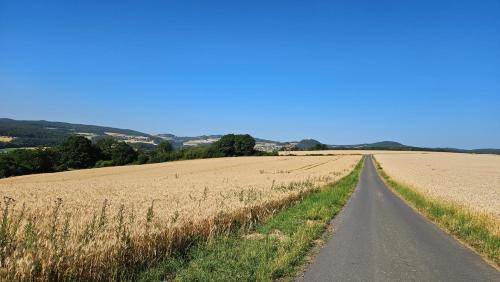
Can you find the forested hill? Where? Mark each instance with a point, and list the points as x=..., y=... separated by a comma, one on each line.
x=48, y=133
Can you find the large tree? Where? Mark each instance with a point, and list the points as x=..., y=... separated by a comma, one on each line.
x=77, y=152
x=225, y=145
x=244, y=145
x=235, y=145
x=164, y=147
x=106, y=145
x=123, y=154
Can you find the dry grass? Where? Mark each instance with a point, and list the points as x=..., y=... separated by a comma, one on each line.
x=472, y=181
x=6, y=139
x=101, y=224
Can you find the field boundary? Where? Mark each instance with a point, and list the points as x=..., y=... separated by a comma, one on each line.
x=276, y=248
x=471, y=229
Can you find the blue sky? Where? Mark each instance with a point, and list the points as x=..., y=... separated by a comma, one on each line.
x=424, y=73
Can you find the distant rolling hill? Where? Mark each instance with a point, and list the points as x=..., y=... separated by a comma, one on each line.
x=307, y=144
x=29, y=133
x=380, y=145
x=396, y=146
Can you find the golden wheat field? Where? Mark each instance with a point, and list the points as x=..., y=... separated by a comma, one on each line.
x=472, y=181
x=89, y=224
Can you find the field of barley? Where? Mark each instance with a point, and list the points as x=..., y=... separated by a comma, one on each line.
x=470, y=180
x=100, y=223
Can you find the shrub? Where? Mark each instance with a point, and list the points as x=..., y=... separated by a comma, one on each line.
x=104, y=163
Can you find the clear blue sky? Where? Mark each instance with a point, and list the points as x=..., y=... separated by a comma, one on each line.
x=424, y=73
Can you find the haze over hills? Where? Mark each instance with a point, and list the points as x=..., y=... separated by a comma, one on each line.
x=26, y=133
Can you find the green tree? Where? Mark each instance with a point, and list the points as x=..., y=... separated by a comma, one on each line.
x=7, y=165
x=106, y=145
x=122, y=154
x=163, y=152
x=22, y=161
x=225, y=145
x=319, y=147
x=77, y=152
x=164, y=147
x=234, y=145
x=143, y=157
x=243, y=145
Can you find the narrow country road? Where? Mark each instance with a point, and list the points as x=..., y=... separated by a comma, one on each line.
x=377, y=237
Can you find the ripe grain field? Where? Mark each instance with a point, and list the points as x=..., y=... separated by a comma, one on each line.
x=468, y=180
x=101, y=224
x=471, y=181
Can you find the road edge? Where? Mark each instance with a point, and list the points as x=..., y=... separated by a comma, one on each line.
x=385, y=178
x=330, y=231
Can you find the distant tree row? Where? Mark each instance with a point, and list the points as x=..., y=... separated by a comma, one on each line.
x=77, y=152
x=227, y=146
x=319, y=147
x=315, y=147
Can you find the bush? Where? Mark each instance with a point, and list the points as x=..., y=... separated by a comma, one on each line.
x=142, y=158
x=260, y=153
x=164, y=152
x=195, y=153
x=104, y=163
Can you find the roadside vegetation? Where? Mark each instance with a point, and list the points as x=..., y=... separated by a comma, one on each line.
x=481, y=232
x=272, y=249
x=77, y=152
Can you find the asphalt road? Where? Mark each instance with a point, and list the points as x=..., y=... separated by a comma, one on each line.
x=377, y=237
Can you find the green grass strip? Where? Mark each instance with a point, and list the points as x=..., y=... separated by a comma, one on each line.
x=467, y=226
x=274, y=249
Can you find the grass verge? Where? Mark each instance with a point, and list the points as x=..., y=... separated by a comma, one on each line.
x=475, y=230
x=272, y=250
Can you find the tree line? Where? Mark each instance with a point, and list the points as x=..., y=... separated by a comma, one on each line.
x=78, y=152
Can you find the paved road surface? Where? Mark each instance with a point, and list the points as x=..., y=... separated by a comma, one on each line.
x=378, y=237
